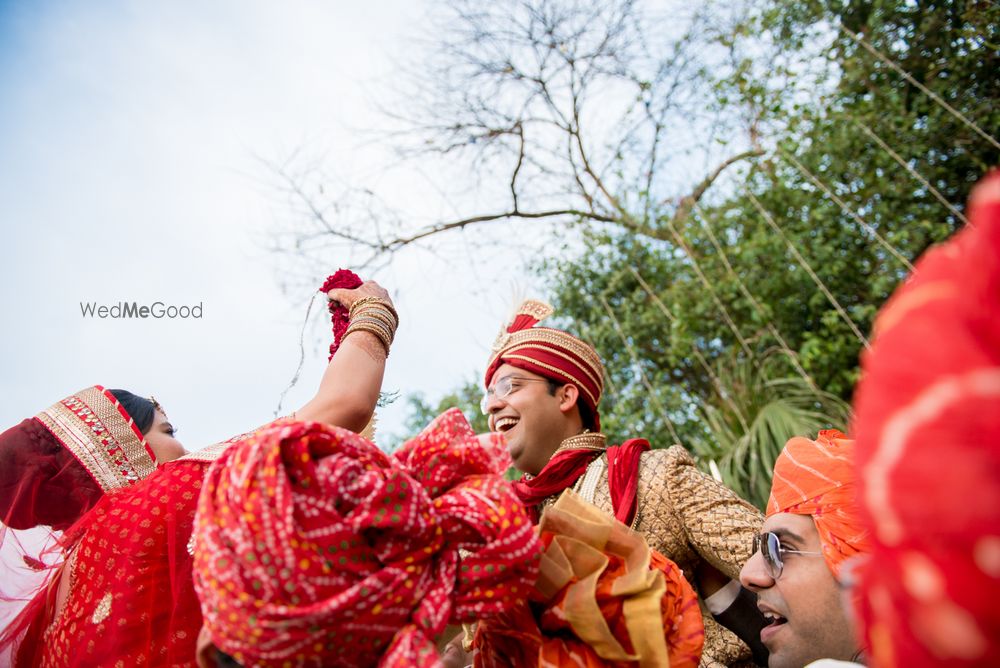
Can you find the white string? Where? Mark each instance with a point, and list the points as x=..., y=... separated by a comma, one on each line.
x=906, y=75
x=905, y=165
x=809, y=270
x=718, y=302
x=302, y=357
x=697, y=353
x=792, y=355
x=843, y=207
x=642, y=376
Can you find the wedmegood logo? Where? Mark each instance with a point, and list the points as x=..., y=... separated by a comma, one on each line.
x=158, y=310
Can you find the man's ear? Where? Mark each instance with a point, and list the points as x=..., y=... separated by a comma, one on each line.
x=568, y=395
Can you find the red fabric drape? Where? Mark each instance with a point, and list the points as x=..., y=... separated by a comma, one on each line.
x=623, y=477
x=559, y=474
x=928, y=428
x=565, y=468
x=315, y=548
x=132, y=599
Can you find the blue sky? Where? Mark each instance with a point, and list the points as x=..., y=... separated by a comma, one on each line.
x=128, y=140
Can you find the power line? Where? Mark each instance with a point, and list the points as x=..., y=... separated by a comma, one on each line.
x=843, y=207
x=905, y=165
x=792, y=355
x=697, y=353
x=708, y=286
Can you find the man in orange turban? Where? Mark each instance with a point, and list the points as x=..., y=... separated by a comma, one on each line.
x=813, y=525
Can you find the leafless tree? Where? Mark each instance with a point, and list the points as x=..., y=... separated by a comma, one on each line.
x=563, y=112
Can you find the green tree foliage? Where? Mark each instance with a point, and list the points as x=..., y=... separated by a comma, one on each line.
x=746, y=431
x=465, y=397
x=832, y=142
x=737, y=314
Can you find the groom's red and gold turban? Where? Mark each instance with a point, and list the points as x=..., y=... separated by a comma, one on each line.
x=549, y=352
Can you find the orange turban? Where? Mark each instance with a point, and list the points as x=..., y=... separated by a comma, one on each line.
x=313, y=547
x=817, y=478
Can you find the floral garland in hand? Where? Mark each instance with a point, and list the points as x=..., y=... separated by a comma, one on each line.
x=340, y=314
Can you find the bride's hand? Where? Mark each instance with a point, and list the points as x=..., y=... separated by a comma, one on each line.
x=367, y=289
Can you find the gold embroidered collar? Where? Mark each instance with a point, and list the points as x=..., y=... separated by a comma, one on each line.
x=585, y=441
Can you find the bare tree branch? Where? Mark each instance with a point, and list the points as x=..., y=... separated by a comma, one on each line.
x=536, y=110
x=688, y=201
x=396, y=244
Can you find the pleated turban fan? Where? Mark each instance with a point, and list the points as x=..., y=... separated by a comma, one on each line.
x=58, y=464
x=928, y=429
x=313, y=547
x=602, y=598
x=817, y=477
x=549, y=352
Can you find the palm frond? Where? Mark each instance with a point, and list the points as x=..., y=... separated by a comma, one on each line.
x=754, y=415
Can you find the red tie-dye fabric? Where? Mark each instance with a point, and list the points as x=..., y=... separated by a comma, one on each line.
x=313, y=547
x=928, y=429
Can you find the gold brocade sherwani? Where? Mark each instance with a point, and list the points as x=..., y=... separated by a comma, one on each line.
x=689, y=518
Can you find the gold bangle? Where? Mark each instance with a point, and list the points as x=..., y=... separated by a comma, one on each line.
x=378, y=313
x=371, y=324
x=378, y=334
x=386, y=330
x=365, y=301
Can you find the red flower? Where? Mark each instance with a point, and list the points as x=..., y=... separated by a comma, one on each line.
x=347, y=279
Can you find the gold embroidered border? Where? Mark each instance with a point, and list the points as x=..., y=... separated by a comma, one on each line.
x=588, y=440
x=91, y=426
x=552, y=340
x=556, y=337
x=592, y=373
x=538, y=310
x=561, y=372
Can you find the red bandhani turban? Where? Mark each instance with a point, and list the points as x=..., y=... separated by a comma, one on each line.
x=602, y=598
x=313, y=547
x=817, y=478
x=57, y=465
x=549, y=352
x=928, y=427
